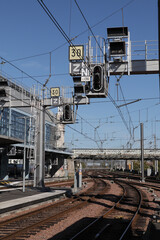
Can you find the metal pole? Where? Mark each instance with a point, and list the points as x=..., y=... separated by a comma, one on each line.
x=159, y=41
x=80, y=175
x=156, y=167
x=42, y=148
x=24, y=155
x=75, y=178
x=156, y=161
x=142, y=151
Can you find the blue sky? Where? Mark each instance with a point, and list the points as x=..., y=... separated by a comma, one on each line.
x=27, y=31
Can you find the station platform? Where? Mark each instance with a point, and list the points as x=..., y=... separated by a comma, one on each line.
x=14, y=199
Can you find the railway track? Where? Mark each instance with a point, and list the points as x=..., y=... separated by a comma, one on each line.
x=117, y=221
x=149, y=183
x=25, y=225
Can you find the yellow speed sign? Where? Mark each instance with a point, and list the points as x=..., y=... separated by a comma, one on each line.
x=76, y=53
x=55, y=92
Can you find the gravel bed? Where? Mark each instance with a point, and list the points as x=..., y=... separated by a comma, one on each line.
x=92, y=211
x=24, y=210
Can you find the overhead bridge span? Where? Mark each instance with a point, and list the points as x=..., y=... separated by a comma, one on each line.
x=115, y=154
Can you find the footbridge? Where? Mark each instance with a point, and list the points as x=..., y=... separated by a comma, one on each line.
x=115, y=154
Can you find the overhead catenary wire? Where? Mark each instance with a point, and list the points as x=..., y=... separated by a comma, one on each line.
x=62, y=74
x=112, y=100
x=96, y=24
x=121, y=115
x=54, y=117
x=50, y=15
x=107, y=17
x=83, y=135
x=95, y=128
x=90, y=29
x=70, y=17
x=126, y=105
x=4, y=59
x=99, y=101
x=41, y=54
x=35, y=106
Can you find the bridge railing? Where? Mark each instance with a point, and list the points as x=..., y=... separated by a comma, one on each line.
x=147, y=50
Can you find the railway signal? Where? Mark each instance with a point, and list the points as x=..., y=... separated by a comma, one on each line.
x=99, y=85
x=67, y=114
x=97, y=78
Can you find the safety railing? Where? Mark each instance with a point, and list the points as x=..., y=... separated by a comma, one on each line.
x=147, y=50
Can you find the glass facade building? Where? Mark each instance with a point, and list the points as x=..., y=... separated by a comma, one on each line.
x=12, y=124
x=4, y=121
x=50, y=136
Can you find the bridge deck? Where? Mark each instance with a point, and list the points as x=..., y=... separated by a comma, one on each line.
x=116, y=154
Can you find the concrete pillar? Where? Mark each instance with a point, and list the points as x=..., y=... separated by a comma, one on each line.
x=71, y=170
x=66, y=168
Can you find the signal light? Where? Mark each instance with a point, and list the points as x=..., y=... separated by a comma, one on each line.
x=97, y=81
x=67, y=113
x=99, y=87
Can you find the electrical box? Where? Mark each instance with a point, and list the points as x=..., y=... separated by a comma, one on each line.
x=117, y=48
x=117, y=32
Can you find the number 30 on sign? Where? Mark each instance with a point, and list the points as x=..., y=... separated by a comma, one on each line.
x=76, y=53
x=55, y=92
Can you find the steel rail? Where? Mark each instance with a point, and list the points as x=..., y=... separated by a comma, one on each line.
x=78, y=235
x=40, y=223
x=53, y=205
x=52, y=218
x=136, y=213
x=101, y=217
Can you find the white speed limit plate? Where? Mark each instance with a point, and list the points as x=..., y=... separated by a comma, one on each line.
x=55, y=92
x=76, y=53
